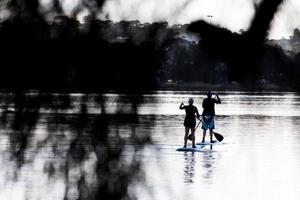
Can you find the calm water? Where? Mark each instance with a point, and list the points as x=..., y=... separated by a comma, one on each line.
x=259, y=158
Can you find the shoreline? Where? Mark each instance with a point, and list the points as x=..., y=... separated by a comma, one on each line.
x=228, y=87
x=164, y=87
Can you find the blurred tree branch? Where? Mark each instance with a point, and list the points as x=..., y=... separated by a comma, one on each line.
x=242, y=52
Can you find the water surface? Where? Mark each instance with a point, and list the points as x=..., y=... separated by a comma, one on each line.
x=259, y=158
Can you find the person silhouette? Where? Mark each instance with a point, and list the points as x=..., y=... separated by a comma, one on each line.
x=190, y=120
x=208, y=114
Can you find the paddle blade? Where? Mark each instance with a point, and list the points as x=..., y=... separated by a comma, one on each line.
x=190, y=137
x=218, y=136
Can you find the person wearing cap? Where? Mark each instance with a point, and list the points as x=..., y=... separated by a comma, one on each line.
x=208, y=114
x=190, y=120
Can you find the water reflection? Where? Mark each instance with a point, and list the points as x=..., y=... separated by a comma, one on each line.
x=189, y=167
x=60, y=146
x=75, y=154
x=208, y=161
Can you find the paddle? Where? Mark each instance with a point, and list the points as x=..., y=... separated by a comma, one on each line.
x=218, y=136
x=190, y=135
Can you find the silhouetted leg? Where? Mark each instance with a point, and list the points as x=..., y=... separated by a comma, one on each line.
x=193, y=137
x=211, y=135
x=186, y=136
x=204, y=133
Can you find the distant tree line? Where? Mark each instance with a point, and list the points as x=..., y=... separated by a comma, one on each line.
x=60, y=53
x=64, y=54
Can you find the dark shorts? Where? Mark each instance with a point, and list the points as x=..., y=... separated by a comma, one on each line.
x=190, y=123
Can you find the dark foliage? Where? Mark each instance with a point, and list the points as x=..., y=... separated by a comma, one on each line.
x=65, y=56
x=242, y=52
x=58, y=56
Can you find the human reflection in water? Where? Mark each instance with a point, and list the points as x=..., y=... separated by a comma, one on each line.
x=208, y=162
x=189, y=167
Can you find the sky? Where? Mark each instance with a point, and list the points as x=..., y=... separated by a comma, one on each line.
x=232, y=14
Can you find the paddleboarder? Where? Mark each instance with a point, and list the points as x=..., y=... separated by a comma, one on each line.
x=191, y=112
x=208, y=114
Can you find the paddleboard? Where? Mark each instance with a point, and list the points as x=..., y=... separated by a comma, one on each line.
x=208, y=143
x=190, y=149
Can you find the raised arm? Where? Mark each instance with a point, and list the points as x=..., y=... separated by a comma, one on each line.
x=218, y=100
x=181, y=107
